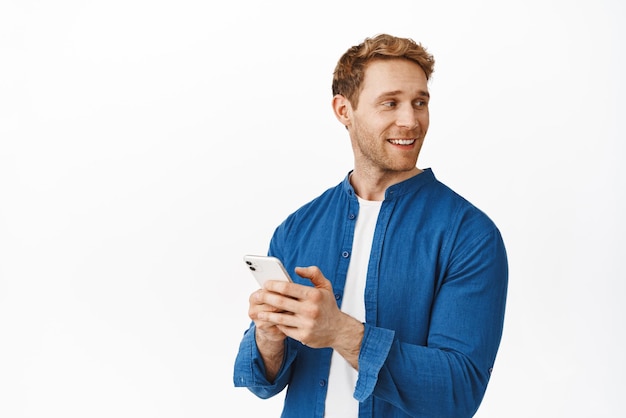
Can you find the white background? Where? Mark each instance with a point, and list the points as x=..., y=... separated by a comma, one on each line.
x=145, y=146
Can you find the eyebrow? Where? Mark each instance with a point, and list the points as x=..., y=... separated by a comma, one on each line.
x=396, y=92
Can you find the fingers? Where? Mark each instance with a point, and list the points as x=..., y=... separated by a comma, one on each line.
x=296, y=298
x=261, y=301
x=256, y=311
x=297, y=291
x=315, y=275
x=305, y=313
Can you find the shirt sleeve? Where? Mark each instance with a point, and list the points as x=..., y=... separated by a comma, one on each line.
x=448, y=376
x=374, y=351
x=250, y=371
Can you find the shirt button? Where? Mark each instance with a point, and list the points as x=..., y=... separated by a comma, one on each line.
x=345, y=254
x=322, y=383
x=351, y=216
x=337, y=296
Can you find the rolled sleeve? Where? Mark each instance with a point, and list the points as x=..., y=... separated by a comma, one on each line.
x=249, y=370
x=374, y=351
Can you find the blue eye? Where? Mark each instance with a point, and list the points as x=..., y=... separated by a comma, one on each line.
x=389, y=104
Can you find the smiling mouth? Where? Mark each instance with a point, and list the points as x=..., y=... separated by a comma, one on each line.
x=396, y=141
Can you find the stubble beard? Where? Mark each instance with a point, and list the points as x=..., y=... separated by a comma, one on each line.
x=370, y=154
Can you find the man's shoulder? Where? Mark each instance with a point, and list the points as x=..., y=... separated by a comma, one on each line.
x=329, y=197
x=315, y=216
x=444, y=201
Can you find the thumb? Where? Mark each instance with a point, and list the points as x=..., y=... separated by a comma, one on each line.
x=314, y=274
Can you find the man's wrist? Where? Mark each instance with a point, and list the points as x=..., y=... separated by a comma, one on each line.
x=272, y=352
x=349, y=340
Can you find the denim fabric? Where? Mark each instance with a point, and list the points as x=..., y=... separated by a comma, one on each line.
x=435, y=300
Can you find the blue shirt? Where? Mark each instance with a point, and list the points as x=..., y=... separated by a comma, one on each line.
x=434, y=301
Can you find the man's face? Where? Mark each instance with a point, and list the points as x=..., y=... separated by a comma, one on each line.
x=388, y=127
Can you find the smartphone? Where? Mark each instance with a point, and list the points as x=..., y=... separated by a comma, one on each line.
x=265, y=268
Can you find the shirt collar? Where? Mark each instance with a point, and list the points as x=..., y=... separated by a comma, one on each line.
x=398, y=189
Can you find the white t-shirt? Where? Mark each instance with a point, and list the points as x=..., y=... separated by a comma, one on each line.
x=340, y=402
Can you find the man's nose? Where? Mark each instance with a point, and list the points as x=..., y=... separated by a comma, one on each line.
x=407, y=118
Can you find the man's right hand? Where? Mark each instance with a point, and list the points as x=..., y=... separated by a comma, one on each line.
x=269, y=339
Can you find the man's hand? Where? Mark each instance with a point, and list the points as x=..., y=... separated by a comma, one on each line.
x=307, y=314
x=270, y=340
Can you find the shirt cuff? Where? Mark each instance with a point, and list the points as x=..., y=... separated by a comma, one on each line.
x=374, y=351
x=250, y=370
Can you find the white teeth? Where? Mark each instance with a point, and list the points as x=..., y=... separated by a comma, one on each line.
x=402, y=141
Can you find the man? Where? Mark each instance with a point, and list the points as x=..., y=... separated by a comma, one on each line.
x=400, y=310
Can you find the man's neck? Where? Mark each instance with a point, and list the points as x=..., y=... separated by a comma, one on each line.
x=372, y=186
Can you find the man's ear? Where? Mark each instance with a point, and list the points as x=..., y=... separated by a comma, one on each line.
x=342, y=109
